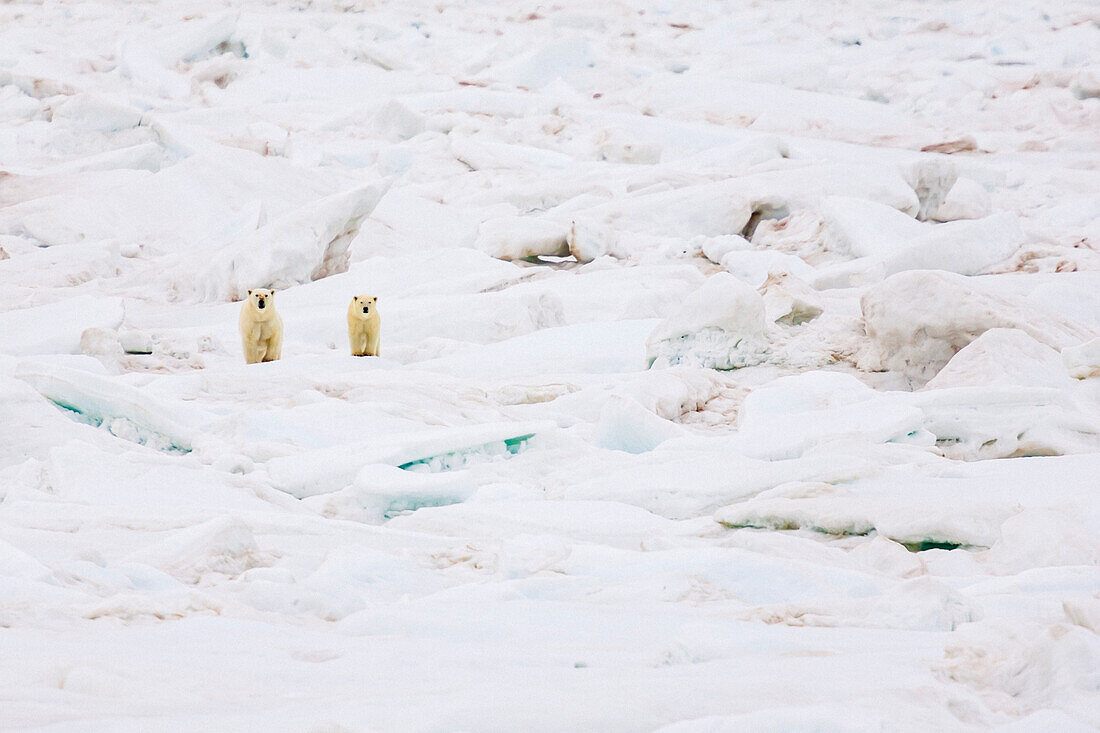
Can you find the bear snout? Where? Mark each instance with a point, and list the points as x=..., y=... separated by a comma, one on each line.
x=366, y=310
x=260, y=304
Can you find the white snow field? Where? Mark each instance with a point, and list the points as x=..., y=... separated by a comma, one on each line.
x=740, y=366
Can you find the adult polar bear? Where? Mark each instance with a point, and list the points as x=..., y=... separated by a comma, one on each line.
x=364, y=325
x=261, y=327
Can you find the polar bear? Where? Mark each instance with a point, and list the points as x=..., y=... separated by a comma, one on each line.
x=364, y=325
x=261, y=327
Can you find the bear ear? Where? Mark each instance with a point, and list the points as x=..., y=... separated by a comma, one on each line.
x=250, y=291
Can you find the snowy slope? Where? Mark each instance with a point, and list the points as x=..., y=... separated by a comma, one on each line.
x=739, y=371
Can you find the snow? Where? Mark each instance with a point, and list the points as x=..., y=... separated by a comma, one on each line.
x=626, y=425
x=740, y=366
x=789, y=415
x=917, y=320
x=1004, y=357
x=967, y=199
x=787, y=299
x=719, y=326
x=57, y=328
x=1083, y=361
x=517, y=238
x=962, y=517
x=966, y=247
x=932, y=178
x=122, y=407
x=297, y=248
x=325, y=470
x=863, y=228
x=895, y=242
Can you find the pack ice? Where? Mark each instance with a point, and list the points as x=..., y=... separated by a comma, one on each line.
x=740, y=366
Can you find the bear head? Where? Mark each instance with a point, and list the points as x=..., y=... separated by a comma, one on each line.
x=261, y=298
x=364, y=305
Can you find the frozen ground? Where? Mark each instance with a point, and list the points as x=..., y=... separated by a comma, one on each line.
x=739, y=366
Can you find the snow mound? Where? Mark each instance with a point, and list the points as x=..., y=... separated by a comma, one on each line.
x=839, y=510
x=1003, y=357
x=588, y=240
x=535, y=69
x=326, y=470
x=103, y=343
x=148, y=60
x=521, y=237
x=602, y=348
x=1078, y=299
x=613, y=523
x=223, y=546
x=708, y=210
x=790, y=415
x=922, y=604
x=14, y=563
x=129, y=606
x=993, y=421
x=931, y=178
x=804, y=718
x=967, y=247
x=133, y=341
x=1043, y=538
x=719, y=326
x=481, y=154
x=862, y=228
x=626, y=425
x=92, y=112
x=352, y=578
x=299, y=247
x=1084, y=612
x=755, y=266
x=806, y=185
x=738, y=157
x=715, y=248
x=57, y=328
x=192, y=207
x=835, y=514
x=1083, y=361
x=928, y=504
x=918, y=320
x=396, y=122
x=1086, y=82
x=967, y=199
x=1027, y=667
x=381, y=491
x=790, y=301
x=126, y=411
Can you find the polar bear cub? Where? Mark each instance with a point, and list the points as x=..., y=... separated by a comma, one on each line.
x=364, y=325
x=261, y=327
